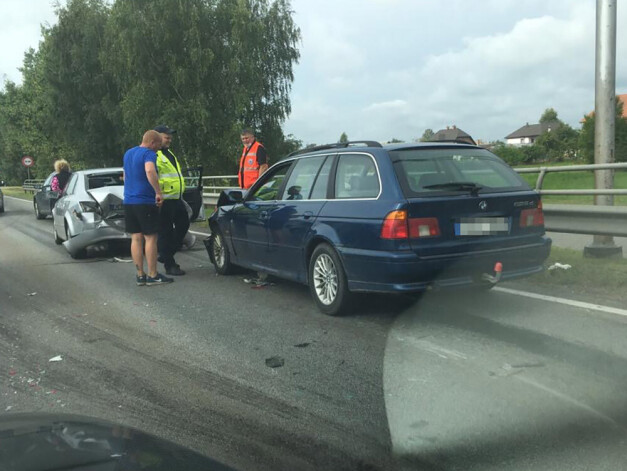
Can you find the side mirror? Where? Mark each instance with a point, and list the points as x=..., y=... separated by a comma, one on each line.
x=230, y=197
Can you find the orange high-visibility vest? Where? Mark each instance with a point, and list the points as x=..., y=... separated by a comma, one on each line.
x=248, y=166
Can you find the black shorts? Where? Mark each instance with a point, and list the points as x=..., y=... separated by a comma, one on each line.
x=141, y=218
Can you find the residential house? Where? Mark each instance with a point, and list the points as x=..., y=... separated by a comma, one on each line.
x=528, y=134
x=452, y=134
x=622, y=98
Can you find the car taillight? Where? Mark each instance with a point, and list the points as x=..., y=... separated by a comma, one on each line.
x=89, y=207
x=423, y=227
x=532, y=217
x=398, y=226
x=395, y=226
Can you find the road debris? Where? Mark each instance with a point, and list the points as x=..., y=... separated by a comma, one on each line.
x=275, y=362
x=8, y=408
x=12, y=372
x=120, y=260
x=563, y=266
x=302, y=345
x=31, y=294
x=57, y=358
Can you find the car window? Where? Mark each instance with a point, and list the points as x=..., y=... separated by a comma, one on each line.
x=104, y=179
x=271, y=184
x=302, y=178
x=319, y=191
x=356, y=177
x=71, y=186
x=435, y=171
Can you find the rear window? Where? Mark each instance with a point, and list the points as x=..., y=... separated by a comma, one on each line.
x=104, y=179
x=427, y=172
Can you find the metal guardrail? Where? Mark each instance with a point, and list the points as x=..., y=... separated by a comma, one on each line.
x=32, y=185
x=214, y=184
x=542, y=171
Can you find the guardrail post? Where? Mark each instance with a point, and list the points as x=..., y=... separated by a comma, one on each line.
x=605, y=114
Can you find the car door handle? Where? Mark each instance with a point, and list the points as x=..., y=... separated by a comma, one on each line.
x=307, y=214
x=263, y=215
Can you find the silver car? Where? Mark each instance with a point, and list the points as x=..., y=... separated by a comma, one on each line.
x=90, y=215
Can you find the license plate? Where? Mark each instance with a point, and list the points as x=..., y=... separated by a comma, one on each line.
x=481, y=226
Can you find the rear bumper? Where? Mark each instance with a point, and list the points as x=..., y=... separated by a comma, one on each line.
x=404, y=272
x=100, y=235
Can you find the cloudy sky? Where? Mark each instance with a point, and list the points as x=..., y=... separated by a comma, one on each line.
x=383, y=69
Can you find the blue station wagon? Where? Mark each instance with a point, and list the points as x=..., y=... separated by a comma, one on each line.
x=362, y=217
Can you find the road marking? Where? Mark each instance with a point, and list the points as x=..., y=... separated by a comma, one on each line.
x=569, y=399
x=18, y=199
x=199, y=233
x=567, y=302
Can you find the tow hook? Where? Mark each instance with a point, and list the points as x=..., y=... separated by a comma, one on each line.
x=494, y=279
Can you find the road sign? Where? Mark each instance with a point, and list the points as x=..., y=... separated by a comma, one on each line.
x=28, y=161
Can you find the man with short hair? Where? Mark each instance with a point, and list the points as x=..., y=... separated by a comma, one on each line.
x=174, y=219
x=254, y=160
x=142, y=199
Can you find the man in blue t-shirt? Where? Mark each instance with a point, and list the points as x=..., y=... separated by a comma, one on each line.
x=142, y=200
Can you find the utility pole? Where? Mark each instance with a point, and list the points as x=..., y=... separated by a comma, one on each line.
x=605, y=118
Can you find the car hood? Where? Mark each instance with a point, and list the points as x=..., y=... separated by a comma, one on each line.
x=41, y=442
x=110, y=199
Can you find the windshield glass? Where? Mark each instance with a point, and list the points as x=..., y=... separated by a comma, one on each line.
x=433, y=171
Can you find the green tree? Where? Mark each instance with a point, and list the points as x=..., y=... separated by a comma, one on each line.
x=549, y=115
x=215, y=67
x=395, y=141
x=427, y=135
x=586, y=137
x=343, y=138
x=560, y=143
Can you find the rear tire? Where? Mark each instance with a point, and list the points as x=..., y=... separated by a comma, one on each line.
x=38, y=214
x=327, y=281
x=220, y=256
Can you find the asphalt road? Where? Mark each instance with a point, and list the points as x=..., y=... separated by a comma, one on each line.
x=454, y=380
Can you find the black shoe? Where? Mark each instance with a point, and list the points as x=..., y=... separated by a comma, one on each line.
x=140, y=279
x=174, y=270
x=157, y=280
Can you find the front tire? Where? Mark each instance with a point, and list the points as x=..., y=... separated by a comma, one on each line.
x=57, y=239
x=220, y=256
x=327, y=281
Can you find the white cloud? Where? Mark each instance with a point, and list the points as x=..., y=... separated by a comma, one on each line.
x=21, y=30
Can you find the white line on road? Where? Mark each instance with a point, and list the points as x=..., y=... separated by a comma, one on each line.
x=199, y=233
x=567, y=302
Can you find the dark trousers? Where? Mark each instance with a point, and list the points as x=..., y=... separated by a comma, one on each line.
x=173, y=225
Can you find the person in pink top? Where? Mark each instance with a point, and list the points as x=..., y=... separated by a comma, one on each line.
x=59, y=181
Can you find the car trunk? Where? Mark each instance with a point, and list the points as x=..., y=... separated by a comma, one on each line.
x=110, y=199
x=470, y=224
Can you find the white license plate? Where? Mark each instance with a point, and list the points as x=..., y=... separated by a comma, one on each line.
x=481, y=226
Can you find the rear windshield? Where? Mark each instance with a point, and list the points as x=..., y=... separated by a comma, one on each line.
x=426, y=172
x=104, y=179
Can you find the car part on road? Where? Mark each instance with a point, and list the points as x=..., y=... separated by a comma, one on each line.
x=327, y=281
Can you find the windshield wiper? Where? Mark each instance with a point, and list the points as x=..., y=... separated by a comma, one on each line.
x=473, y=188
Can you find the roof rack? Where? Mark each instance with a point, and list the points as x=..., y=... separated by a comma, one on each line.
x=336, y=145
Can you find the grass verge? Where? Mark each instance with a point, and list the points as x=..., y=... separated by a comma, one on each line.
x=16, y=192
x=600, y=281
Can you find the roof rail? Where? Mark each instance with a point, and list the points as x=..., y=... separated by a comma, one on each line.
x=336, y=145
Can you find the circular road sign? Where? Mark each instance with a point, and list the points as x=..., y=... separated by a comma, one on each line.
x=28, y=161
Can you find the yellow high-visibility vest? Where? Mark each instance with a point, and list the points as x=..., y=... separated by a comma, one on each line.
x=171, y=179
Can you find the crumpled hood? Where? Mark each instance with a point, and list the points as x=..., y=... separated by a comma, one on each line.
x=110, y=199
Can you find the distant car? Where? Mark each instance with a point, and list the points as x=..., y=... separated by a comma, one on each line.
x=44, y=199
x=1, y=202
x=90, y=212
x=361, y=217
